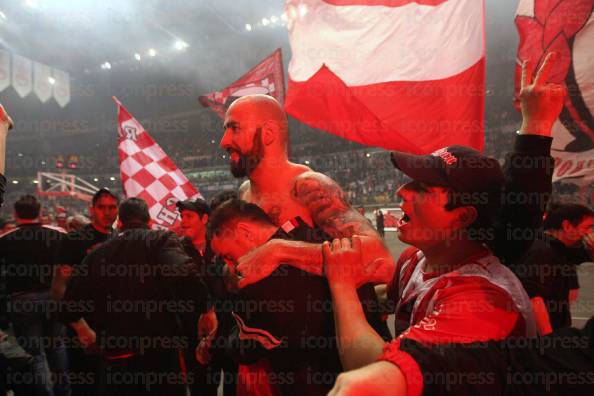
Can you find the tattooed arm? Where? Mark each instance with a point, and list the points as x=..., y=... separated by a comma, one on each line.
x=328, y=207
x=326, y=203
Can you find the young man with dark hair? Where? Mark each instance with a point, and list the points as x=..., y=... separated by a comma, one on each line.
x=148, y=270
x=284, y=330
x=76, y=245
x=548, y=269
x=71, y=252
x=194, y=216
x=26, y=263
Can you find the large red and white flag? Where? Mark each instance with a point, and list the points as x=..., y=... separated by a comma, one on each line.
x=148, y=173
x=266, y=77
x=566, y=27
x=399, y=74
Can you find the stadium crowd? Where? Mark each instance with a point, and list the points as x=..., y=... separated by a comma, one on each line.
x=278, y=286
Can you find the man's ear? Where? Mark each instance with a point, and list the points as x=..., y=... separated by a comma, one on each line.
x=466, y=215
x=270, y=132
x=244, y=230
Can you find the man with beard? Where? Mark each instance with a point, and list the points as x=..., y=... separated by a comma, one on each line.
x=297, y=199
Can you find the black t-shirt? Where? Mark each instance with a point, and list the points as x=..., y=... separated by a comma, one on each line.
x=77, y=244
x=548, y=270
x=27, y=257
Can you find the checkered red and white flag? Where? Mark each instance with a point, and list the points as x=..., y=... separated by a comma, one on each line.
x=148, y=173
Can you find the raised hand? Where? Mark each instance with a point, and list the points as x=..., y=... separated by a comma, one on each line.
x=540, y=100
x=6, y=123
x=354, y=262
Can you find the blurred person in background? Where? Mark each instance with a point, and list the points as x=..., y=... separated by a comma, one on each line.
x=26, y=262
x=548, y=270
x=194, y=216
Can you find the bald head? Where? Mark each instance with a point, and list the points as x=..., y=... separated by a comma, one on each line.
x=260, y=109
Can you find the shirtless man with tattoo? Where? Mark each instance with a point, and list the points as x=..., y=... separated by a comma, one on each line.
x=256, y=138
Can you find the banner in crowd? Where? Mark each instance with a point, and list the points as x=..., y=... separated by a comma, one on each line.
x=27, y=76
x=566, y=27
x=61, y=87
x=404, y=75
x=22, y=75
x=148, y=173
x=4, y=70
x=41, y=83
x=266, y=77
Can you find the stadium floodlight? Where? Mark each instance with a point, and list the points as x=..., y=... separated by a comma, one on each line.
x=265, y=21
x=180, y=45
x=248, y=27
x=273, y=19
x=51, y=80
x=152, y=52
x=106, y=66
x=137, y=56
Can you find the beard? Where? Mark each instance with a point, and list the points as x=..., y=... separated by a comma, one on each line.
x=248, y=162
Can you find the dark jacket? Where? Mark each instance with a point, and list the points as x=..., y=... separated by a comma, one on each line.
x=285, y=322
x=137, y=285
x=27, y=256
x=548, y=270
x=528, y=171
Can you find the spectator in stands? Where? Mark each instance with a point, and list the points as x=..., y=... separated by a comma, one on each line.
x=379, y=222
x=548, y=270
x=26, y=264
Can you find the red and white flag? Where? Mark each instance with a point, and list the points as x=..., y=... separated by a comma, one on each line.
x=566, y=27
x=148, y=173
x=22, y=75
x=4, y=70
x=399, y=74
x=266, y=77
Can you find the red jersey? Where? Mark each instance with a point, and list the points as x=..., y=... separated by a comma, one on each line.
x=480, y=300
